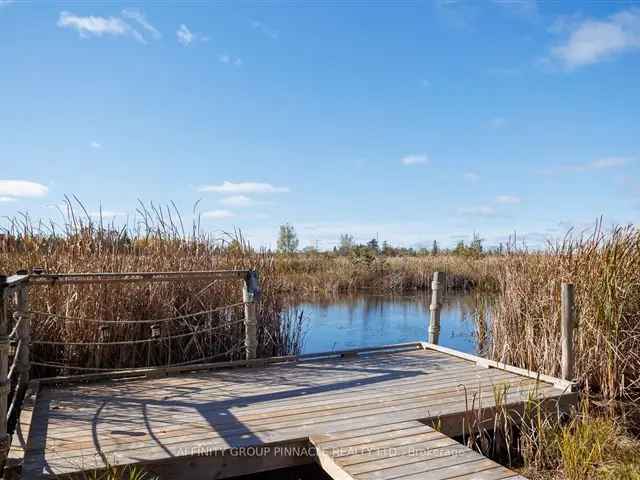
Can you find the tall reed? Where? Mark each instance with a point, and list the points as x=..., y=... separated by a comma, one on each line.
x=330, y=274
x=605, y=267
x=157, y=242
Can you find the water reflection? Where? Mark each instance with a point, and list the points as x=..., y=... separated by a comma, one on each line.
x=366, y=320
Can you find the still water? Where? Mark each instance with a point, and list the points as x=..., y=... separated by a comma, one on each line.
x=366, y=320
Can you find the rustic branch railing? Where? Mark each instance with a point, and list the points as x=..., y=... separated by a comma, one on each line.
x=14, y=379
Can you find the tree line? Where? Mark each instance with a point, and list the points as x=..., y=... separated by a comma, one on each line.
x=288, y=242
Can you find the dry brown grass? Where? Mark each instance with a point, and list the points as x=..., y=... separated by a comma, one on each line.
x=329, y=274
x=159, y=244
x=606, y=271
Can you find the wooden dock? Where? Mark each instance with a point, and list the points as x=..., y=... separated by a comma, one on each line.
x=366, y=414
x=407, y=450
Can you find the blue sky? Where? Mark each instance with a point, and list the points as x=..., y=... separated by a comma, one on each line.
x=409, y=121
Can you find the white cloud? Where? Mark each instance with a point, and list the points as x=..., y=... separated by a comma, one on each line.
x=416, y=159
x=590, y=41
x=217, y=214
x=243, y=188
x=5, y=3
x=139, y=17
x=609, y=162
x=240, y=201
x=479, y=211
x=95, y=145
x=101, y=26
x=22, y=188
x=508, y=199
x=598, y=164
x=264, y=29
x=93, y=25
x=7, y=199
x=471, y=177
x=186, y=37
x=229, y=59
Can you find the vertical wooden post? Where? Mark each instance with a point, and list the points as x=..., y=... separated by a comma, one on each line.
x=250, y=295
x=436, y=303
x=567, y=323
x=23, y=365
x=4, y=370
x=103, y=334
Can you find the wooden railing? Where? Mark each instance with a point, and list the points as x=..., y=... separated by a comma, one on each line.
x=15, y=337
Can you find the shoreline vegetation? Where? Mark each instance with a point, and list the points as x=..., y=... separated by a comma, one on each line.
x=524, y=331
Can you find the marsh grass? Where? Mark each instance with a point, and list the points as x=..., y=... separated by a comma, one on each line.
x=544, y=443
x=157, y=242
x=329, y=274
x=120, y=473
x=520, y=328
x=605, y=267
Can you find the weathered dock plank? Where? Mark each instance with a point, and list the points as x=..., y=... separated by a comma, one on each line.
x=407, y=450
x=192, y=425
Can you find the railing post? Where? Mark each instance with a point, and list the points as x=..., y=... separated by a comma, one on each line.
x=567, y=323
x=4, y=370
x=436, y=303
x=250, y=295
x=23, y=365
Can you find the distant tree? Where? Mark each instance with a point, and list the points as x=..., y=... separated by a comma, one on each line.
x=373, y=245
x=346, y=244
x=288, y=239
x=460, y=249
x=476, y=245
x=435, y=250
x=310, y=249
x=474, y=249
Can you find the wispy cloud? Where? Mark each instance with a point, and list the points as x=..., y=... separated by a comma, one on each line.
x=7, y=199
x=95, y=145
x=415, y=159
x=22, y=188
x=598, y=164
x=243, y=188
x=230, y=59
x=139, y=17
x=590, y=41
x=217, y=214
x=508, y=199
x=609, y=162
x=478, y=211
x=5, y=3
x=264, y=29
x=96, y=26
x=471, y=177
x=239, y=201
x=186, y=37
